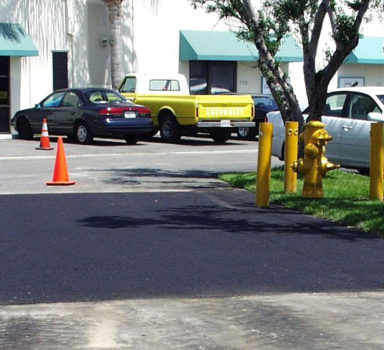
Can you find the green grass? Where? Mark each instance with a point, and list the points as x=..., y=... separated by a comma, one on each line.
x=346, y=198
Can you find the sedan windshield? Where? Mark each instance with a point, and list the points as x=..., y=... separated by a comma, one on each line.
x=103, y=97
x=381, y=98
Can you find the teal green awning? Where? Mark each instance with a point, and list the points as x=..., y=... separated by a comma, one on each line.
x=14, y=41
x=226, y=46
x=368, y=51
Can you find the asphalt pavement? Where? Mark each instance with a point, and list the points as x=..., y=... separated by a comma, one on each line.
x=178, y=267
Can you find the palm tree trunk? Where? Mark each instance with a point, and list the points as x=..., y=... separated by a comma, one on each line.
x=115, y=19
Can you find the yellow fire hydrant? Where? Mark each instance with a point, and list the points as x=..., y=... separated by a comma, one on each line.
x=315, y=165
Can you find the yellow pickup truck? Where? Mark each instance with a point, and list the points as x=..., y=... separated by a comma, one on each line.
x=175, y=112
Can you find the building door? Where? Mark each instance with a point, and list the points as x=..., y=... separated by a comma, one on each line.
x=4, y=94
x=60, y=69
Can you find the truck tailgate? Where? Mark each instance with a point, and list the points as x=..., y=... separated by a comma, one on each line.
x=225, y=107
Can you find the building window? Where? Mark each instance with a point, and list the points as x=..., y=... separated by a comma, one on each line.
x=60, y=69
x=212, y=77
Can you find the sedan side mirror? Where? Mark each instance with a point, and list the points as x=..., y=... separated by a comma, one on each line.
x=376, y=117
x=38, y=106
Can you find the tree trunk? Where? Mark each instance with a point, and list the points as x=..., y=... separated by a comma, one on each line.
x=281, y=89
x=317, y=82
x=115, y=41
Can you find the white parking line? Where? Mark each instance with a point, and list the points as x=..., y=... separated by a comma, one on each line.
x=92, y=155
x=218, y=201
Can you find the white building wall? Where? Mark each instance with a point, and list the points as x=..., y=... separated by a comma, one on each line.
x=248, y=78
x=296, y=78
x=16, y=88
x=373, y=74
x=75, y=41
x=156, y=32
x=98, y=44
x=44, y=21
x=150, y=34
x=97, y=61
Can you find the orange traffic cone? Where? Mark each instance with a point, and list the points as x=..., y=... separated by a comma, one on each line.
x=44, y=139
x=60, y=174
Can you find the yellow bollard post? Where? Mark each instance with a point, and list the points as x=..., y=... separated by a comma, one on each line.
x=376, y=161
x=263, y=177
x=290, y=156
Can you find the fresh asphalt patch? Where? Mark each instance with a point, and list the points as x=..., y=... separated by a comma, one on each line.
x=203, y=243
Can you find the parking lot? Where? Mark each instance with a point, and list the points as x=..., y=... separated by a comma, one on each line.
x=112, y=165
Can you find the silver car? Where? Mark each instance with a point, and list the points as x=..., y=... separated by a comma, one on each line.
x=347, y=115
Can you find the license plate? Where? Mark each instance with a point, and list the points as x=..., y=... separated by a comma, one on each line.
x=225, y=123
x=129, y=114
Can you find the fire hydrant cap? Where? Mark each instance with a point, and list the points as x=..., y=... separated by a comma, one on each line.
x=315, y=124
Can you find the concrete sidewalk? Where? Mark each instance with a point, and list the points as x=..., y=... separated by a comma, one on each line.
x=286, y=322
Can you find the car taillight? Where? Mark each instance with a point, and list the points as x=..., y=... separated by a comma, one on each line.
x=112, y=111
x=144, y=112
x=253, y=112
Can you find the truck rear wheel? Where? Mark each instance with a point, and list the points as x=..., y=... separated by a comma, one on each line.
x=170, y=130
x=221, y=135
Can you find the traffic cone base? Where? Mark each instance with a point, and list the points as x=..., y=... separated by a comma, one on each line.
x=44, y=139
x=60, y=173
x=60, y=183
x=45, y=148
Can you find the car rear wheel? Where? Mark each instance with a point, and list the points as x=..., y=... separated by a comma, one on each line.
x=170, y=130
x=221, y=135
x=131, y=139
x=83, y=133
x=24, y=129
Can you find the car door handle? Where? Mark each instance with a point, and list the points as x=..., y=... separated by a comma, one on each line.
x=347, y=127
